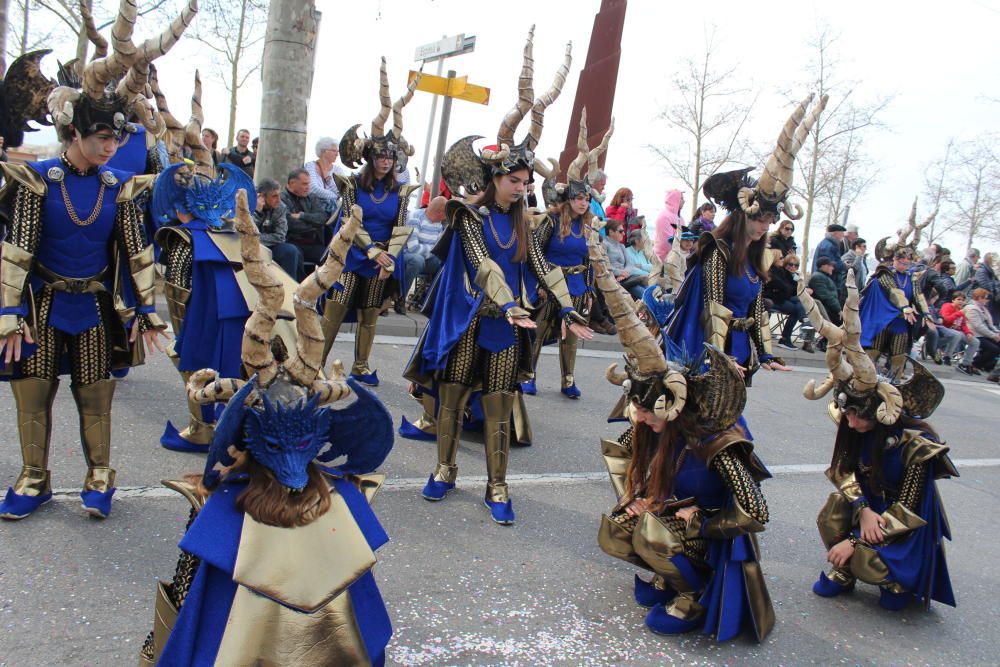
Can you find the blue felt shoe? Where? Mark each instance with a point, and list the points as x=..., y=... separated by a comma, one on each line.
x=893, y=601
x=97, y=504
x=827, y=588
x=647, y=595
x=174, y=441
x=15, y=506
x=502, y=513
x=529, y=387
x=662, y=623
x=369, y=379
x=435, y=490
x=571, y=391
x=411, y=432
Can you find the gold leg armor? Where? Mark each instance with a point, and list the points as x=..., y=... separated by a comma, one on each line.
x=364, y=338
x=198, y=431
x=333, y=317
x=522, y=424
x=427, y=423
x=541, y=333
x=567, y=358
x=834, y=523
x=94, y=403
x=452, y=397
x=497, y=407
x=656, y=543
x=34, y=398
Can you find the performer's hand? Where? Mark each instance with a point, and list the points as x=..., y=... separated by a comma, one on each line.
x=581, y=330
x=637, y=506
x=775, y=366
x=910, y=317
x=687, y=513
x=384, y=260
x=523, y=322
x=384, y=274
x=931, y=325
x=10, y=347
x=872, y=526
x=840, y=554
x=742, y=369
x=151, y=338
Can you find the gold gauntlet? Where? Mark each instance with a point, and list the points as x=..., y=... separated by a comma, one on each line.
x=716, y=322
x=846, y=484
x=729, y=523
x=555, y=283
x=15, y=262
x=398, y=239
x=491, y=280
x=143, y=273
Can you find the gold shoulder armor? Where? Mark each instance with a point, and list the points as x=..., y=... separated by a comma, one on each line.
x=135, y=186
x=918, y=449
x=23, y=174
x=734, y=440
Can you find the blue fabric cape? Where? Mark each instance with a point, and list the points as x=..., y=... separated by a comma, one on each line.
x=876, y=312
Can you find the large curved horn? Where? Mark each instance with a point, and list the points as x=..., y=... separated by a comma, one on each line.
x=891, y=408
x=378, y=124
x=839, y=368
x=98, y=73
x=676, y=384
x=776, y=179
x=547, y=98
x=615, y=376
x=192, y=134
x=173, y=138
x=919, y=229
x=748, y=201
x=303, y=365
x=575, y=170
x=865, y=375
x=397, y=107
x=333, y=389
x=256, y=350
x=525, y=96
x=205, y=386
x=95, y=37
x=134, y=83
x=594, y=155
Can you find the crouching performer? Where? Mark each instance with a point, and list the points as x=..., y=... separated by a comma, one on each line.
x=277, y=557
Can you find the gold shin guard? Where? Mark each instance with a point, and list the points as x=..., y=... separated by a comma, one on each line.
x=541, y=333
x=364, y=338
x=656, y=543
x=94, y=404
x=34, y=398
x=427, y=423
x=497, y=407
x=198, y=431
x=452, y=397
x=567, y=358
x=333, y=317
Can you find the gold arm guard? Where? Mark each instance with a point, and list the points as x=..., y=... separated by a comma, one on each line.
x=729, y=523
x=490, y=279
x=716, y=322
x=555, y=283
x=15, y=262
x=616, y=458
x=846, y=484
x=143, y=273
x=397, y=240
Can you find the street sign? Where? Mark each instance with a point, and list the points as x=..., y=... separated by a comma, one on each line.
x=445, y=47
x=456, y=87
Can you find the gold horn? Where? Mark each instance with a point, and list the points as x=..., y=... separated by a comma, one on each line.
x=547, y=98
x=98, y=73
x=525, y=95
x=575, y=170
x=378, y=124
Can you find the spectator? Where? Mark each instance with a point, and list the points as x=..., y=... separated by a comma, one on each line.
x=241, y=155
x=598, y=181
x=322, y=170
x=978, y=317
x=210, y=138
x=619, y=263
x=667, y=223
x=635, y=257
x=829, y=247
x=936, y=335
x=946, y=281
x=600, y=320
x=426, y=197
x=986, y=278
x=824, y=289
x=857, y=259
x=967, y=269
x=677, y=259
x=781, y=290
x=931, y=253
x=953, y=317
x=255, y=146
x=271, y=217
x=783, y=240
x=621, y=209
x=421, y=264
x=849, y=237
x=307, y=216
x=703, y=220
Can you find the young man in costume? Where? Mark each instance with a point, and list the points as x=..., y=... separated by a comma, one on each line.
x=277, y=557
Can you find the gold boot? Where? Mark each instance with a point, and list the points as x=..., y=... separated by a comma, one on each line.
x=94, y=403
x=333, y=317
x=567, y=359
x=364, y=338
x=198, y=431
x=34, y=398
x=426, y=423
x=452, y=397
x=497, y=407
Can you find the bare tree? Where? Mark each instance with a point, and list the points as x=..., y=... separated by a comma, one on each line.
x=710, y=115
x=973, y=190
x=936, y=190
x=234, y=30
x=4, y=11
x=834, y=170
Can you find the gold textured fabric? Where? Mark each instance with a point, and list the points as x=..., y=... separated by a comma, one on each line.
x=33, y=398
x=452, y=398
x=94, y=404
x=15, y=263
x=497, y=408
x=746, y=491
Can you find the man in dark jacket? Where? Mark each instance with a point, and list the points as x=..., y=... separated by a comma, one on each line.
x=307, y=216
x=241, y=155
x=825, y=290
x=271, y=218
x=829, y=248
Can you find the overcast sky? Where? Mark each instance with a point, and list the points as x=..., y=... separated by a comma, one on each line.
x=939, y=63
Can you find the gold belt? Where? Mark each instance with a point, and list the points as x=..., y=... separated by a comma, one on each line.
x=489, y=309
x=92, y=285
x=573, y=270
x=742, y=323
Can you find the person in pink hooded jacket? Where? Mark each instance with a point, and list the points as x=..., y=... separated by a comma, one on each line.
x=667, y=223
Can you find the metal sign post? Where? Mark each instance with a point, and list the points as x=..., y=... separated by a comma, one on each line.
x=439, y=50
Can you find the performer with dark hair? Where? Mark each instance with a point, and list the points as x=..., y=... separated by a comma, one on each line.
x=721, y=301
x=277, y=557
x=475, y=338
x=562, y=236
x=885, y=524
x=75, y=256
x=687, y=481
x=375, y=264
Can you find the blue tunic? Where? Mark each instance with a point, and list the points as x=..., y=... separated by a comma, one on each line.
x=379, y=217
x=878, y=313
x=570, y=251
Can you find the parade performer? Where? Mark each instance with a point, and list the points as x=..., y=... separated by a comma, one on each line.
x=75, y=255
x=687, y=481
x=476, y=338
x=562, y=236
x=721, y=302
x=885, y=524
x=193, y=207
x=277, y=559
x=893, y=304
x=374, y=271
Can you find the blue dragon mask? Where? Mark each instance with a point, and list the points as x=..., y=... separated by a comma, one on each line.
x=209, y=201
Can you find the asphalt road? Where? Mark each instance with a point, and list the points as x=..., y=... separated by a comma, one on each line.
x=463, y=591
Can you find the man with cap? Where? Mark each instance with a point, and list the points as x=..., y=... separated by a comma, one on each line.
x=824, y=289
x=829, y=247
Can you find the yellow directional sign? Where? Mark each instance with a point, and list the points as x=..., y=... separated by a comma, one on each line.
x=458, y=88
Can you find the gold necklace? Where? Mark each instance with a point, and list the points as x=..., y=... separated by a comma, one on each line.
x=496, y=237
x=752, y=277
x=379, y=200
x=574, y=234
x=72, y=211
